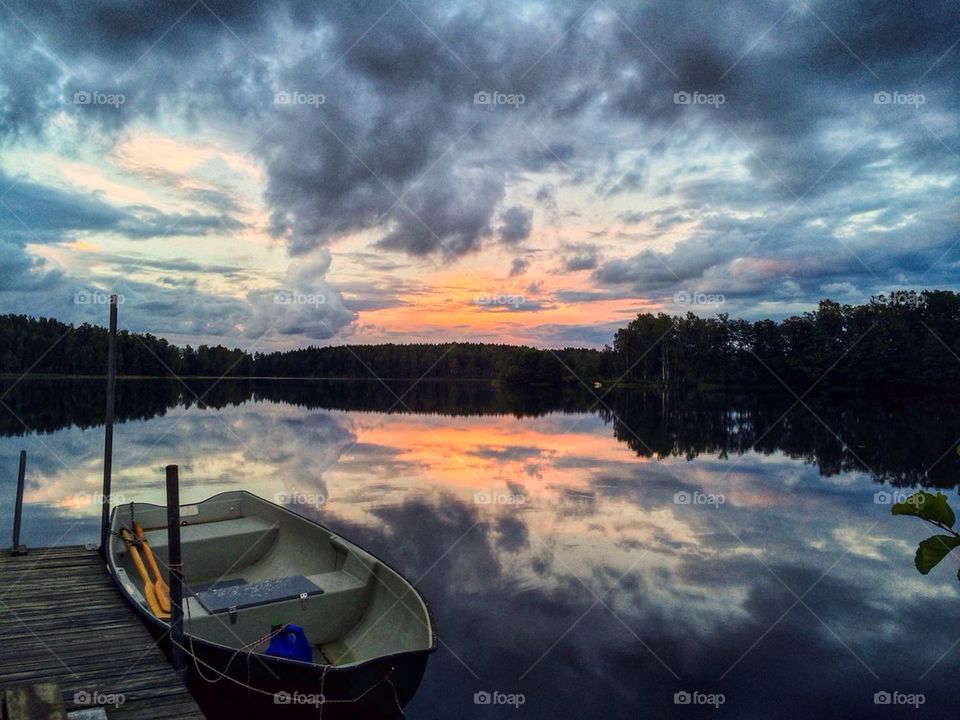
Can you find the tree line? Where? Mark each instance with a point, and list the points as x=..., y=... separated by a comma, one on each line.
x=47, y=346
x=905, y=338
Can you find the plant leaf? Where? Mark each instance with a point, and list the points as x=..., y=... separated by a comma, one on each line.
x=934, y=508
x=933, y=550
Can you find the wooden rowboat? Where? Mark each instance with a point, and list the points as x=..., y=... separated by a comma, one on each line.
x=252, y=570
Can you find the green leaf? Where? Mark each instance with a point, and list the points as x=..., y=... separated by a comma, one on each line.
x=934, y=508
x=910, y=506
x=933, y=550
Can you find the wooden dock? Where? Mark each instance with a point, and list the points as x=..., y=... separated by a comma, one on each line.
x=63, y=621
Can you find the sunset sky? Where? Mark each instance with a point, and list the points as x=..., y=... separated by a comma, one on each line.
x=524, y=172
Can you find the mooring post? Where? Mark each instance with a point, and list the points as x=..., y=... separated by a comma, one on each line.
x=17, y=548
x=108, y=429
x=178, y=655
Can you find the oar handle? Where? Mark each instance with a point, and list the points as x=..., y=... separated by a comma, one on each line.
x=149, y=593
x=135, y=556
x=147, y=552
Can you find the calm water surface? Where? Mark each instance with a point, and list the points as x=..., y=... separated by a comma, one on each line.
x=595, y=559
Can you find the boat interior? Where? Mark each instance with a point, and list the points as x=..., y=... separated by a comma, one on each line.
x=250, y=565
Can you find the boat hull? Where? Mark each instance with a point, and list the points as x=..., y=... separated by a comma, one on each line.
x=231, y=681
x=379, y=689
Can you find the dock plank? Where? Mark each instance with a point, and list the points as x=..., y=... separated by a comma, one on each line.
x=63, y=621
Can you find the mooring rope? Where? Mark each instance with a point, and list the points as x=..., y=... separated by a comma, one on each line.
x=243, y=648
x=248, y=651
x=396, y=697
x=326, y=668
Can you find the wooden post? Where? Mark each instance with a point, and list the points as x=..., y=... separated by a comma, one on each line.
x=35, y=700
x=178, y=655
x=108, y=430
x=17, y=548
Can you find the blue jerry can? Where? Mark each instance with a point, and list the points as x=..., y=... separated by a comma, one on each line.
x=292, y=643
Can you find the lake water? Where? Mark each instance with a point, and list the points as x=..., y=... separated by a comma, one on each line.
x=592, y=559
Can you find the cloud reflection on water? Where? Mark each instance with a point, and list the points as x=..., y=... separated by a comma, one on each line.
x=686, y=589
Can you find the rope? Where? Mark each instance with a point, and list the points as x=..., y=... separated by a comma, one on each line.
x=396, y=698
x=243, y=648
x=247, y=650
x=326, y=668
x=132, y=540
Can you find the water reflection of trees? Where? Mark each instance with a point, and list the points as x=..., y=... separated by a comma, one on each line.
x=899, y=441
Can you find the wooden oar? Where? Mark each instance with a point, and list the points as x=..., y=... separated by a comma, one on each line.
x=160, y=587
x=148, y=590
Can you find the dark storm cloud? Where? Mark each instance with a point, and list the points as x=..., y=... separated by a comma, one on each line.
x=539, y=158
x=21, y=271
x=515, y=225
x=37, y=213
x=132, y=263
x=580, y=256
x=30, y=212
x=585, y=296
x=28, y=86
x=120, y=32
x=350, y=166
x=546, y=195
x=400, y=151
x=512, y=534
x=176, y=306
x=518, y=266
x=630, y=180
x=688, y=260
x=450, y=216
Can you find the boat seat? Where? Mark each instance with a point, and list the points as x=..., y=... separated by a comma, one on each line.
x=237, y=595
x=337, y=581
